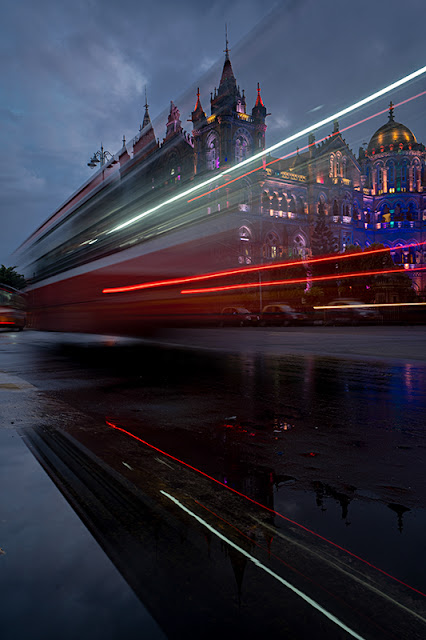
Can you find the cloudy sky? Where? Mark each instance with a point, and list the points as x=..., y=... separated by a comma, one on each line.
x=73, y=75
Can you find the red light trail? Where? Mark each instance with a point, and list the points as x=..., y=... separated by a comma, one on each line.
x=264, y=267
x=272, y=283
x=301, y=526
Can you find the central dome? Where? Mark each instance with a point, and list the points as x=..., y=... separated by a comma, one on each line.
x=391, y=133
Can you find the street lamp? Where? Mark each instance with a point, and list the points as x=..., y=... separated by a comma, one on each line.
x=101, y=157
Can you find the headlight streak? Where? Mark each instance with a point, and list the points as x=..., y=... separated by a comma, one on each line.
x=272, y=283
x=264, y=267
x=279, y=515
x=260, y=565
x=264, y=153
x=293, y=153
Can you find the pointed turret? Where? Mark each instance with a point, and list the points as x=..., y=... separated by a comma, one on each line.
x=198, y=117
x=259, y=109
x=146, y=141
x=146, y=119
x=174, y=124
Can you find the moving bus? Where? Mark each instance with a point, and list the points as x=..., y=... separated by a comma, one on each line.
x=12, y=308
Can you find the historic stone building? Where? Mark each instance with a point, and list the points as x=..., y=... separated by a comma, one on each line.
x=376, y=197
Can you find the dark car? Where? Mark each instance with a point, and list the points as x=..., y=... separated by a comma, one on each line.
x=281, y=315
x=238, y=317
x=346, y=311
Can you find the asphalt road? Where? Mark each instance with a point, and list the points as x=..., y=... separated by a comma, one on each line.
x=245, y=477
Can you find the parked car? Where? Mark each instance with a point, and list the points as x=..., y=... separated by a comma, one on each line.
x=238, y=317
x=281, y=315
x=346, y=311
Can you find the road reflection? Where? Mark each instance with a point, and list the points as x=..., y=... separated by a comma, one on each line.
x=203, y=470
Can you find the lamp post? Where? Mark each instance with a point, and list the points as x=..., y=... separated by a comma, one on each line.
x=101, y=157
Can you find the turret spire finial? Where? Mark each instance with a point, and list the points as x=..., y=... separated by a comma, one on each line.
x=226, y=50
x=391, y=107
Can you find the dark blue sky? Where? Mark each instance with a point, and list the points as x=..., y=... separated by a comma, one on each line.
x=73, y=76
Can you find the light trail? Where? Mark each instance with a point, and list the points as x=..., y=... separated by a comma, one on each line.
x=259, y=504
x=260, y=565
x=313, y=144
x=275, y=283
x=264, y=267
x=317, y=585
x=295, y=136
x=374, y=305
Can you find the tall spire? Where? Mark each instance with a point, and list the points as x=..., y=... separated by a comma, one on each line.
x=146, y=118
x=226, y=50
x=391, y=118
x=227, y=80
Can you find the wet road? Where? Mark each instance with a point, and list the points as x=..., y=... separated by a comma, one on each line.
x=241, y=481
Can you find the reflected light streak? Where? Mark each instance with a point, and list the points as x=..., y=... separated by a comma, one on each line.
x=260, y=565
x=272, y=283
x=267, y=151
x=279, y=515
x=264, y=267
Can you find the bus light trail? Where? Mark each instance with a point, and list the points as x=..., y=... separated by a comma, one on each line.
x=274, y=283
x=259, y=504
x=264, y=267
x=264, y=153
x=260, y=565
x=313, y=144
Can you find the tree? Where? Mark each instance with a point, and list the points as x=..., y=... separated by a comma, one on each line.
x=9, y=276
x=323, y=242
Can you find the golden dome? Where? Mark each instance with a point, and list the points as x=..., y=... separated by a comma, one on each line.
x=391, y=134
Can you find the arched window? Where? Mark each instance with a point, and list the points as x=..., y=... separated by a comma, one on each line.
x=338, y=169
x=391, y=175
x=379, y=178
x=411, y=212
x=241, y=148
x=212, y=152
x=271, y=248
x=300, y=206
x=332, y=166
x=244, y=256
x=275, y=205
x=299, y=244
x=397, y=214
x=404, y=175
x=283, y=205
x=292, y=205
x=344, y=167
x=335, y=208
x=266, y=203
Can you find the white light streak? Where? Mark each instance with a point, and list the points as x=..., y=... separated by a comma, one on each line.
x=261, y=154
x=387, y=304
x=260, y=565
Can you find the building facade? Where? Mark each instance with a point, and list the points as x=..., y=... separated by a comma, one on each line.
x=377, y=197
